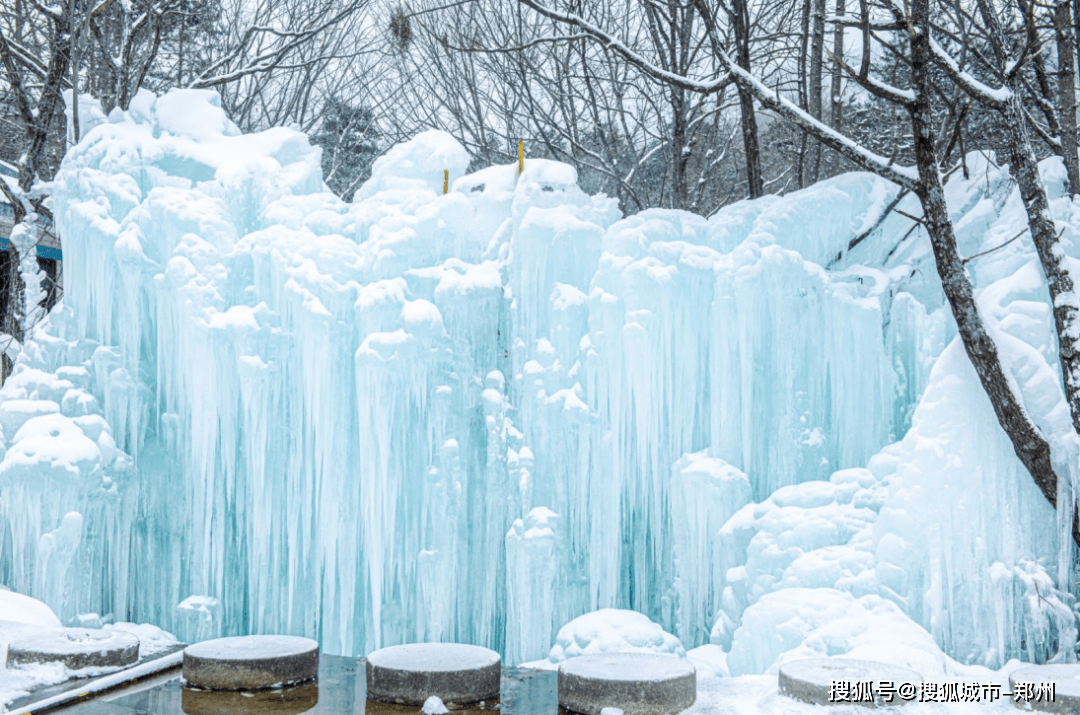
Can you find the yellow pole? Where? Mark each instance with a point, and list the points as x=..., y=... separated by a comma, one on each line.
x=521, y=157
x=445, y=180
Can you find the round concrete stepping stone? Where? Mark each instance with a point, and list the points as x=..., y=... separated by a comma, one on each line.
x=1066, y=682
x=811, y=681
x=251, y=662
x=76, y=648
x=457, y=674
x=636, y=683
x=286, y=701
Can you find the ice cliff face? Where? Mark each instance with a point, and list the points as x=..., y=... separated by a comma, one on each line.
x=478, y=415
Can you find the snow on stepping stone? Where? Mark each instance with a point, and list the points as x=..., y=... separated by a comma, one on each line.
x=811, y=681
x=76, y=648
x=635, y=683
x=455, y=673
x=251, y=662
x=1034, y=686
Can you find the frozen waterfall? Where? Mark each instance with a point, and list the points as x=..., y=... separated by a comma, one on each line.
x=478, y=415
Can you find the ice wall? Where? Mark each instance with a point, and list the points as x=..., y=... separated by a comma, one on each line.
x=474, y=415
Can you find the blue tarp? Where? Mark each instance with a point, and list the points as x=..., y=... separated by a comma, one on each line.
x=43, y=251
x=7, y=213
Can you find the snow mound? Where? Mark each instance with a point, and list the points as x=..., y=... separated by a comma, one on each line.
x=795, y=623
x=17, y=608
x=609, y=630
x=434, y=706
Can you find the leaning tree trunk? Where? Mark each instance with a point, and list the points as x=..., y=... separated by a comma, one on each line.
x=1030, y=445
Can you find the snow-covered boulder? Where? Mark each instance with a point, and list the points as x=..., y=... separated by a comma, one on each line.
x=610, y=630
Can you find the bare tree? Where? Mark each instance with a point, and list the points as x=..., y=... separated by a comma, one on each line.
x=923, y=54
x=272, y=49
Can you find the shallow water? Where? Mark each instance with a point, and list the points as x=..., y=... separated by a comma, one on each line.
x=340, y=690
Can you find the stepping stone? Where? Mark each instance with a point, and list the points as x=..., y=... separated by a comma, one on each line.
x=251, y=662
x=76, y=648
x=636, y=683
x=457, y=674
x=811, y=681
x=288, y=701
x=1065, y=679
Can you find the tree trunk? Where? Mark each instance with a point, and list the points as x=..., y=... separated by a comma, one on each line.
x=837, y=77
x=817, y=47
x=1028, y=442
x=680, y=148
x=74, y=75
x=1067, y=93
x=804, y=38
x=1025, y=170
x=754, y=179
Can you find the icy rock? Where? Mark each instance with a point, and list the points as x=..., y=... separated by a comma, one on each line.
x=455, y=673
x=251, y=662
x=811, y=680
x=75, y=648
x=635, y=683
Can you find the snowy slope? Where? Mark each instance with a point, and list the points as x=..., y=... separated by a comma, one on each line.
x=419, y=416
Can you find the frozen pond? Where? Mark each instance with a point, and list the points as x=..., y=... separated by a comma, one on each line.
x=341, y=688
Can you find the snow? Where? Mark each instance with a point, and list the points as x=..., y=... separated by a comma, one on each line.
x=29, y=620
x=17, y=608
x=609, y=630
x=433, y=657
x=77, y=640
x=39, y=677
x=434, y=706
x=757, y=440
x=628, y=666
x=251, y=647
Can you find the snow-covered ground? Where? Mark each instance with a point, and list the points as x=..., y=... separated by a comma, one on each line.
x=297, y=415
x=719, y=693
x=24, y=617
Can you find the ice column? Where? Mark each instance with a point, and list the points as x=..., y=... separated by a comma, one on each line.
x=705, y=492
x=533, y=581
